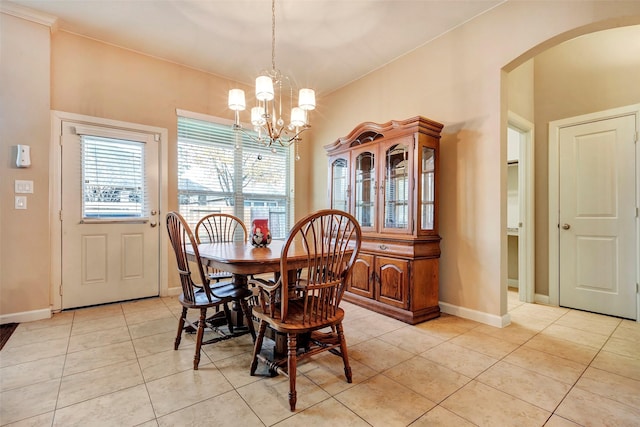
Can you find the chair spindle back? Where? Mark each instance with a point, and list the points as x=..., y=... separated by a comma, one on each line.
x=181, y=236
x=219, y=227
x=331, y=241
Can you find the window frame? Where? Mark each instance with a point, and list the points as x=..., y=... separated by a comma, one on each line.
x=97, y=173
x=241, y=198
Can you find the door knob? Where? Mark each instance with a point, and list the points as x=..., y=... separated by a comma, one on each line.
x=566, y=226
x=154, y=212
x=153, y=224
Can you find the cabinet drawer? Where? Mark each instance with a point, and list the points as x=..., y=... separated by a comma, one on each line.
x=384, y=248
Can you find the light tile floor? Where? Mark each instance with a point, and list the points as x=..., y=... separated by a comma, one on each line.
x=115, y=365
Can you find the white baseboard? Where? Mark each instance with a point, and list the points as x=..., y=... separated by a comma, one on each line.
x=25, y=316
x=478, y=316
x=175, y=291
x=513, y=283
x=541, y=299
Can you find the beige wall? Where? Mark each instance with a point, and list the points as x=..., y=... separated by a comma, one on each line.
x=25, y=264
x=595, y=72
x=520, y=91
x=96, y=79
x=457, y=80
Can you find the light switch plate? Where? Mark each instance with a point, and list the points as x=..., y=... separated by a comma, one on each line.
x=21, y=202
x=23, y=187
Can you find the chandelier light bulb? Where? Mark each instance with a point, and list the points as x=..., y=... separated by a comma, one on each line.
x=264, y=88
x=298, y=117
x=307, y=99
x=257, y=116
x=236, y=100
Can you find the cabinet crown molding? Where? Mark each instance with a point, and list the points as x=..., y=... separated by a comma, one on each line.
x=369, y=131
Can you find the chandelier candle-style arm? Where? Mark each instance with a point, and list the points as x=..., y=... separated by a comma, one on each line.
x=267, y=115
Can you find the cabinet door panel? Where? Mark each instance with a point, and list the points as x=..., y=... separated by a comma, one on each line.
x=393, y=281
x=397, y=186
x=365, y=188
x=339, y=183
x=427, y=164
x=361, y=283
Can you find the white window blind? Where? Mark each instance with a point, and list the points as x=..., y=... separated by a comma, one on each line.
x=113, y=185
x=219, y=170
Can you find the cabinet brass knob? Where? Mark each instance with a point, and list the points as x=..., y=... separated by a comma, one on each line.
x=383, y=247
x=566, y=226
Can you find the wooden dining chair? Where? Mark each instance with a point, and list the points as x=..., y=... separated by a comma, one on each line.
x=306, y=299
x=220, y=227
x=201, y=296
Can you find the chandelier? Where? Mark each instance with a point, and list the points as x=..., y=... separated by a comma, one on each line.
x=273, y=89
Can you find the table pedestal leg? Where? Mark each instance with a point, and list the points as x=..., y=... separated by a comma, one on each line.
x=237, y=316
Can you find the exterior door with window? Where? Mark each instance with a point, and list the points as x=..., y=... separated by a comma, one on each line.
x=110, y=222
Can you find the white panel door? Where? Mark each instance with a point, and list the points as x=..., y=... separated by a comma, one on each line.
x=110, y=232
x=598, y=217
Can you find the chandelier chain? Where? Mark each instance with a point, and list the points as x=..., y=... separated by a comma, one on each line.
x=273, y=34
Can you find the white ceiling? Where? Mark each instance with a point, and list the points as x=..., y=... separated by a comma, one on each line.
x=323, y=44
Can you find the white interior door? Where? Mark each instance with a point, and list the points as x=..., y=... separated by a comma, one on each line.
x=597, y=216
x=109, y=216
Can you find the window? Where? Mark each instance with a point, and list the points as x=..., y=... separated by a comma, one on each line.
x=220, y=170
x=112, y=178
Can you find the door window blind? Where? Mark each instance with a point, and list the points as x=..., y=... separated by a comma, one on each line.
x=113, y=184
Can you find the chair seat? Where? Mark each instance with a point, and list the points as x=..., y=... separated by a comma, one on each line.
x=201, y=301
x=230, y=290
x=294, y=319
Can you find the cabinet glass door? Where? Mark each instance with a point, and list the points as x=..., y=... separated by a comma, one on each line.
x=364, y=189
x=339, y=185
x=396, y=187
x=427, y=196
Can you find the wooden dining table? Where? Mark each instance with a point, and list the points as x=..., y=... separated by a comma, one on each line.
x=243, y=260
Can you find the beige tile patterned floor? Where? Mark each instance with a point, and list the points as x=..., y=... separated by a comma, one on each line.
x=115, y=365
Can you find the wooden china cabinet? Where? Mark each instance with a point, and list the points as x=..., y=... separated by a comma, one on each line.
x=386, y=175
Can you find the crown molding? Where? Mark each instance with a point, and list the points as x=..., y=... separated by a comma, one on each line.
x=28, y=14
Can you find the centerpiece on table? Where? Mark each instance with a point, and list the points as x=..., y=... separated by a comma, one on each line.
x=260, y=234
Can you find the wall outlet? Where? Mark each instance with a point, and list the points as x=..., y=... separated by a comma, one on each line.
x=21, y=202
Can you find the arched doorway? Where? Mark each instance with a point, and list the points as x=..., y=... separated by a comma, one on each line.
x=576, y=76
